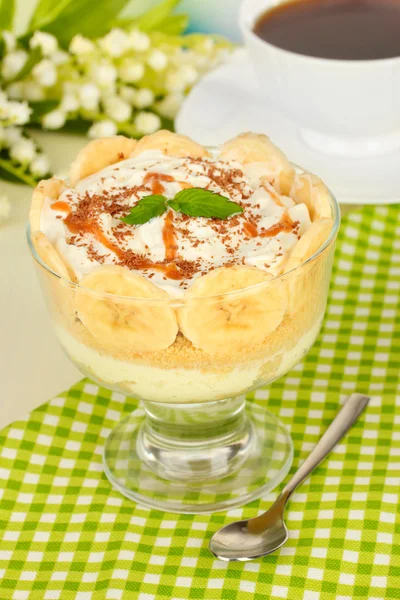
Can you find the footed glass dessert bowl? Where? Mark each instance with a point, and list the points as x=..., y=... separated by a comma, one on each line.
x=187, y=277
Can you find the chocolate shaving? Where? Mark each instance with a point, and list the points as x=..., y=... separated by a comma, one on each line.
x=86, y=222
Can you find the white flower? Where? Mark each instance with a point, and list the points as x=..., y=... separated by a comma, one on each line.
x=9, y=40
x=16, y=90
x=89, y=96
x=15, y=113
x=188, y=73
x=40, y=166
x=202, y=62
x=11, y=135
x=19, y=112
x=45, y=41
x=147, y=122
x=127, y=93
x=104, y=74
x=60, y=57
x=143, y=98
x=45, y=73
x=5, y=208
x=81, y=45
x=208, y=44
x=70, y=87
x=117, y=109
x=157, y=60
x=179, y=80
x=115, y=43
x=174, y=82
x=102, y=129
x=23, y=151
x=170, y=105
x=12, y=63
x=139, y=41
x=54, y=119
x=69, y=102
x=33, y=92
x=130, y=70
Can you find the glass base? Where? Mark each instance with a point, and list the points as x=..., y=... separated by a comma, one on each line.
x=198, y=458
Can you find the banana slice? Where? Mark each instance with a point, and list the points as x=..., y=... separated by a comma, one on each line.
x=50, y=256
x=98, y=154
x=225, y=322
x=171, y=144
x=59, y=292
x=305, y=285
x=48, y=188
x=257, y=148
x=142, y=320
x=310, y=190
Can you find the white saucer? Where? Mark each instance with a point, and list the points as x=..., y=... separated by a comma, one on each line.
x=227, y=101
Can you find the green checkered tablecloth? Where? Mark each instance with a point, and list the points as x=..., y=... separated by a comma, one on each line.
x=66, y=534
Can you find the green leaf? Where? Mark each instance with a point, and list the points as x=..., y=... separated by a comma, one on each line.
x=174, y=24
x=152, y=18
x=90, y=19
x=34, y=57
x=76, y=126
x=7, y=10
x=147, y=208
x=41, y=108
x=45, y=12
x=16, y=174
x=197, y=202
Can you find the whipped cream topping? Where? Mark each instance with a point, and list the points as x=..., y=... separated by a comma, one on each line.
x=173, y=250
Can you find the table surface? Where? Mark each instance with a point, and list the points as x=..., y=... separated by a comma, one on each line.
x=33, y=366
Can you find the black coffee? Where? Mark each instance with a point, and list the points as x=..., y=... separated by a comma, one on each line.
x=341, y=29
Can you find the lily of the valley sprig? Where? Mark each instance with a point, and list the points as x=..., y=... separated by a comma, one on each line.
x=119, y=75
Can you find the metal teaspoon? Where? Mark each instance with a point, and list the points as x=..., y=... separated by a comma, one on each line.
x=252, y=538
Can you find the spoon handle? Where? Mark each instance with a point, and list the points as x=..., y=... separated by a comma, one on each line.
x=345, y=418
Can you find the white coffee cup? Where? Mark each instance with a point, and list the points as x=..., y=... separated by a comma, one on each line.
x=343, y=107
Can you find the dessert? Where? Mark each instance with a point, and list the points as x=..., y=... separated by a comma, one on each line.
x=181, y=274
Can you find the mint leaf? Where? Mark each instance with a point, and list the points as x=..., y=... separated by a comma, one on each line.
x=197, y=202
x=147, y=208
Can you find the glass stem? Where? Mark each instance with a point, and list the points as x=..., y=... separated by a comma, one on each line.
x=195, y=442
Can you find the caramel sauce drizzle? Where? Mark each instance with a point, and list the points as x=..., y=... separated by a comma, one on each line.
x=61, y=206
x=171, y=271
x=85, y=220
x=250, y=229
x=285, y=224
x=169, y=237
x=78, y=226
x=155, y=179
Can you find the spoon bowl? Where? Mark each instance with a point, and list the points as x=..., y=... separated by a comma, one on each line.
x=236, y=541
